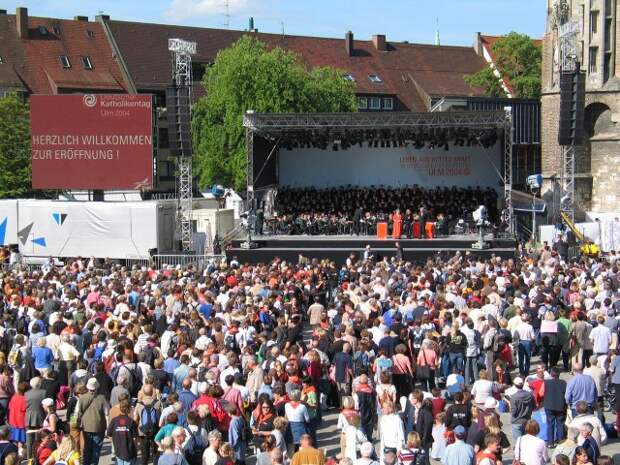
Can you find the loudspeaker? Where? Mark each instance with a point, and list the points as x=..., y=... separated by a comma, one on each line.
x=572, y=104
x=178, y=113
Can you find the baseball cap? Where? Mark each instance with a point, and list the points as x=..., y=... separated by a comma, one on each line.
x=459, y=430
x=92, y=384
x=518, y=381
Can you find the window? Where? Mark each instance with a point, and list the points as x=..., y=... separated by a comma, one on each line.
x=375, y=79
x=362, y=103
x=87, y=63
x=90, y=34
x=608, y=33
x=348, y=77
x=375, y=103
x=593, y=66
x=1, y=60
x=57, y=30
x=42, y=30
x=388, y=103
x=607, y=67
x=593, y=24
x=64, y=61
x=198, y=71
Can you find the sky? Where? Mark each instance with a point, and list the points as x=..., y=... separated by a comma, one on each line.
x=411, y=20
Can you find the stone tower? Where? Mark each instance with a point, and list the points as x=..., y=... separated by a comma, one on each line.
x=597, y=167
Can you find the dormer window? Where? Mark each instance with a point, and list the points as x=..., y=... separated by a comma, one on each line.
x=348, y=77
x=90, y=34
x=87, y=63
x=43, y=30
x=375, y=79
x=65, y=62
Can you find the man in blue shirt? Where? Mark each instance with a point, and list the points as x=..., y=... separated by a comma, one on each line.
x=180, y=373
x=186, y=396
x=458, y=453
x=344, y=371
x=236, y=434
x=581, y=387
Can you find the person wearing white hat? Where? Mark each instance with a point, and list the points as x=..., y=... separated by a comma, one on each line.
x=521, y=407
x=92, y=411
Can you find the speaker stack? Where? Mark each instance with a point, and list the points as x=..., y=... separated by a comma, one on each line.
x=572, y=104
x=179, y=120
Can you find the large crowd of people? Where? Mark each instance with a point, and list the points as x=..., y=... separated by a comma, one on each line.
x=236, y=362
x=357, y=210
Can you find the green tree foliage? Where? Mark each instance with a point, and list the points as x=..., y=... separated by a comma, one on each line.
x=15, y=175
x=248, y=76
x=519, y=60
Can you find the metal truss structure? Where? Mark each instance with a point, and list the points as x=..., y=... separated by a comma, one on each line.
x=275, y=126
x=568, y=33
x=182, y=76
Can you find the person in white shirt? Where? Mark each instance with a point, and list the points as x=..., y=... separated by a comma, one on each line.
x=601, y=341
x=526, y=337
x=391, y=431
x=529, y=449
x=210, y=455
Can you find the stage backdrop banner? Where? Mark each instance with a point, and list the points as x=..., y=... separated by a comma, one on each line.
x=398, y=166
x=102, y=141
x=98, y=229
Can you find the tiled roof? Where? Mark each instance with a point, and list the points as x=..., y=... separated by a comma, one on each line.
x=40, y=68
x=439, y=69
x=11, y=53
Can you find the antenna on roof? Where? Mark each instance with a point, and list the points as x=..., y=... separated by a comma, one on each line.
x=282, y=23
x=227, y=14
x=437, y=39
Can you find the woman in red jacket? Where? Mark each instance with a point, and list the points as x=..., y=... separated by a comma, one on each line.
x=17, y=416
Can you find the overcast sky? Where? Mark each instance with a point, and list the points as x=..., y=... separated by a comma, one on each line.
x=412, y=20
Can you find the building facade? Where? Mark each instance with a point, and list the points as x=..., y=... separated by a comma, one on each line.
x=597, y=168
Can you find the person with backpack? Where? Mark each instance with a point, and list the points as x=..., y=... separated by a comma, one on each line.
x=412, y=453
x=123, y=429
x=146, y=415
x=132, y=373
x=198, y=439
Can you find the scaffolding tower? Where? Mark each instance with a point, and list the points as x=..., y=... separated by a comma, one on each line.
x=568, y=34
x=182, y=76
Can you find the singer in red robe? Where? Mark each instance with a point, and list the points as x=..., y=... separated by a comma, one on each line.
x=398, y=224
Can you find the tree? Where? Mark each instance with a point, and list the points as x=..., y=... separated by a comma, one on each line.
x=519, y=61
x=249, y=76
x=15, y=174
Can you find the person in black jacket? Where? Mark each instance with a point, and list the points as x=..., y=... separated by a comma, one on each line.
x=458, y=413
x=555, y=406
x=424, y=422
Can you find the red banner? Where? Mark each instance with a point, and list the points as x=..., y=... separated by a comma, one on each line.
x=102, y=141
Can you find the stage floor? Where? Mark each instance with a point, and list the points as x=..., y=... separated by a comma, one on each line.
x=339, y=248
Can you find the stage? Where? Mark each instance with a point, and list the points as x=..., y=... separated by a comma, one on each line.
x=339, y=248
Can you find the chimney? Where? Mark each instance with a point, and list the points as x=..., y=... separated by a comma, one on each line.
x=349, y=43
x=102, y=18
x=21, y=21
x=478, y=44
x=379, y=42
x=2, y=12
x=80, y=18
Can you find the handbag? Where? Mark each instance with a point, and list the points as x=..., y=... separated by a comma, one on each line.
x=423, y=371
